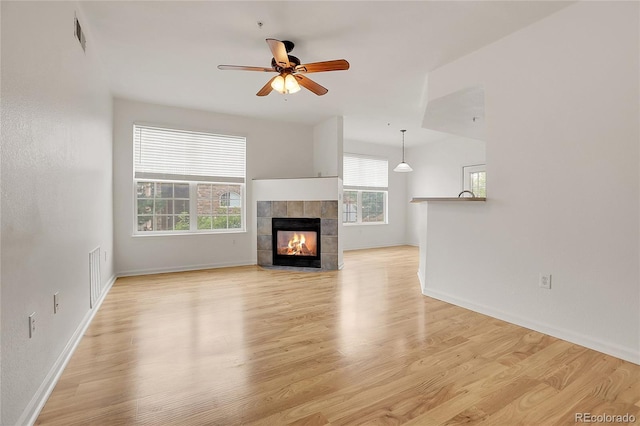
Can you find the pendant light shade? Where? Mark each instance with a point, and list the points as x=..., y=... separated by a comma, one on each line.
x=403, y=167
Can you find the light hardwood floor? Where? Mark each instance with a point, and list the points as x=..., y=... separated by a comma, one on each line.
x=358, y=346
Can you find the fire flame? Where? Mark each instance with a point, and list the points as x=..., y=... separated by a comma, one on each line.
x=296, y=244
x=293, y=243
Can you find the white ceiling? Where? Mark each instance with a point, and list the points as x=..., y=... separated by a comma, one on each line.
x=167, y=52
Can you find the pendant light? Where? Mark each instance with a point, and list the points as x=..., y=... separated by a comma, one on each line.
x=403, y=167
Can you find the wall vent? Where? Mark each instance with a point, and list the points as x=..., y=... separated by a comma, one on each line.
x=95, y=284
x=79, y=34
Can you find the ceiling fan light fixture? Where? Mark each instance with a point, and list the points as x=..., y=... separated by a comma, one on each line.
x=291, y=84
x=278, y=84
x=285, y=84
x=403, y=167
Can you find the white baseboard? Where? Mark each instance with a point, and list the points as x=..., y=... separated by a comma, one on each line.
x=32, y=410
x=372, y=246
x=622, y=352
x=150, y=271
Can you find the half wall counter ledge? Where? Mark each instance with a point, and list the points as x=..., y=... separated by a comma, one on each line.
x=447, y=199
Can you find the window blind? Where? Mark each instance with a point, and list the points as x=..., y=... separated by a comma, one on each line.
x=171, y=154
x=364, y=172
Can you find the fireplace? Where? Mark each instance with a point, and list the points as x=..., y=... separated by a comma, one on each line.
x=324, y=215
x=296, y=242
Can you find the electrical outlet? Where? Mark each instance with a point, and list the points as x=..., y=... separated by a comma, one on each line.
x=32, y=325
x=545, y=281
x=56, y=303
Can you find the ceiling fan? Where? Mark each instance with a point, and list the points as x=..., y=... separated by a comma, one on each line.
x=290, y=71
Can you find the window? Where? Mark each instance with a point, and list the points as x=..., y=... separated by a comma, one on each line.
x=364, y=199
x=163, y=206
x=475, y=179
x=219, y=206
x=188, y=181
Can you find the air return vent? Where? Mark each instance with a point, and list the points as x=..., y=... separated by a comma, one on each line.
x=95, y=284
x=79, y=34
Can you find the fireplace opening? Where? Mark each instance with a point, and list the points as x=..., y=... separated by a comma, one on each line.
x=296, y=242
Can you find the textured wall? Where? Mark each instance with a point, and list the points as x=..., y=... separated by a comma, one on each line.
x=56, y=192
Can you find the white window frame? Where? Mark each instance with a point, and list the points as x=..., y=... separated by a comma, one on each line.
x=193, y=194
x=359, y=208
x=467, y=171
x=360, y=186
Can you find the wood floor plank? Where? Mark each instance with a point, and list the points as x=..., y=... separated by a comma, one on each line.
x=254, y=346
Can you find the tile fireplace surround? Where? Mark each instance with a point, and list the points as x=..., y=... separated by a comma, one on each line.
x=326, y=210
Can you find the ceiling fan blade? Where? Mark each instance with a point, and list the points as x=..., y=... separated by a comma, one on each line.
x=266, y=89
x=311, y=85
x=336, y=65
x=279, y=52
x=244, y=68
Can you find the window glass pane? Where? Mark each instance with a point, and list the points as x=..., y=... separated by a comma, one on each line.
x=145, y=206
x=372, y=206
x=478, y=182
x=349, y=206
x=164, y=206
x=182, y=222
x=182, y=190
x=164, y=190
x=230, y=199
x=181, y=206
x=235, y=221
x=145, y=189
x=220, y=222
x=219, y=206
x=205, y=222
x=145, y=223
x=205, y=204
x=163, y=223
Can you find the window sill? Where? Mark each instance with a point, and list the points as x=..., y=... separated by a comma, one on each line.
x=365, y=224
x=172, y=234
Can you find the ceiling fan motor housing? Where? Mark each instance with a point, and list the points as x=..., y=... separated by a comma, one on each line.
x=292, y=59
x=288, y=45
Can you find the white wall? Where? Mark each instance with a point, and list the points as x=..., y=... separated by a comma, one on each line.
x=56, y=194
x=563, y=181
x=437, y=172
x=0, y=243
x=393, y=233
x=269, y=155
x=327, y=147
